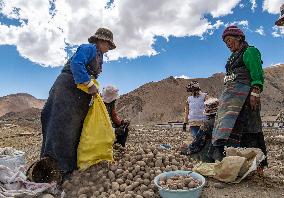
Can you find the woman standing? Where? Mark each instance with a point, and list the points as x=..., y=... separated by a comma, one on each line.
x=194, y=108
x=66, y=108
x=238, y=121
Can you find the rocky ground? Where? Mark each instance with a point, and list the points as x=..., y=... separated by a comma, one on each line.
x=143, y=145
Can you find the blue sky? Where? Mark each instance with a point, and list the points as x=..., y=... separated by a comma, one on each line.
x=25, y=68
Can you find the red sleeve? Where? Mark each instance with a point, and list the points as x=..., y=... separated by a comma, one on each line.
x=115, y=118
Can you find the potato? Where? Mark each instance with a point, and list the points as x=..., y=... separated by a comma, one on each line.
x=141, y=163
x=127, y=196
x=111, y=175
x=122, y=187
x=120, y=181
x=115, y=186
x=83, y=196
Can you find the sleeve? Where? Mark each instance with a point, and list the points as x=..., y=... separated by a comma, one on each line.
x=206, y=97
x=186, y=111
x=252, y=60
x=83, y=55
x=117, y=121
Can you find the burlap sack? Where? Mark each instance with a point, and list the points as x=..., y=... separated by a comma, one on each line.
x=228, y=169
x=205, y=169
x=249, y=153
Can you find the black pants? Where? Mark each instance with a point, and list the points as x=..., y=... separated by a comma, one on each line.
x=121, y=135
x=255, y=140
x=248, y=140
x=62, y=121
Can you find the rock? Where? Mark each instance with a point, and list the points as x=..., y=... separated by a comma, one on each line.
x=47, y=196
x=219, y=185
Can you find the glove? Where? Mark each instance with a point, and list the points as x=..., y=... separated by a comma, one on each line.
x=125, y=122
x=184, y=127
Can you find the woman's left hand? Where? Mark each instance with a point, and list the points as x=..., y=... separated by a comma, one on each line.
x=254, y=102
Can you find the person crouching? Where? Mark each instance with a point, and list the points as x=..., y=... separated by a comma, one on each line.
x=109, y=95
x=199, y=148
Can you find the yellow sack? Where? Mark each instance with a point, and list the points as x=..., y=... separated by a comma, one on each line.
x=97, y=136
x=85, y=88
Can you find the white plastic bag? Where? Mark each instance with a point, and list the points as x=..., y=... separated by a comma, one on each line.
x=12, y=158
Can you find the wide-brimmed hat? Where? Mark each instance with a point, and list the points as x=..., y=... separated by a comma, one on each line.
x=103, y=34
x=232, y=31
x=193, y=86
x=280, y=21
x=211, y=106
x=109, y=93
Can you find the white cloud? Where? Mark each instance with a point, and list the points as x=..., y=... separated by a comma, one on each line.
x=253, y=5
x=182, y=76
x=244, y=24
x=43, y=33
x=216, y=26
x=241, y=5
x=260, y=31
x=272, y=6
x=278, y=31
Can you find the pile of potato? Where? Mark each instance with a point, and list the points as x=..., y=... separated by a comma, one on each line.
x=132, y=173
x=179, y=182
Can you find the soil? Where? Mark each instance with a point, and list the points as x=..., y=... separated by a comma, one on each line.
x=25, y=134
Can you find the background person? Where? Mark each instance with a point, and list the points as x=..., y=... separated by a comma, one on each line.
x=194, y=108
x=109, y=95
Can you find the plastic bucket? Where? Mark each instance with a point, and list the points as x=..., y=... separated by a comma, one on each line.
x=191, y=193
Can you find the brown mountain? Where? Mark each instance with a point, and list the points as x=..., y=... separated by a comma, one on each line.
x=163, y=101
x=19, y=102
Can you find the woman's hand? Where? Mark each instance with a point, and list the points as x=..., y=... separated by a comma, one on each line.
x=93, y=90
x=126, y=122
x=254, y=102
x=254, y=99
x=184, y=127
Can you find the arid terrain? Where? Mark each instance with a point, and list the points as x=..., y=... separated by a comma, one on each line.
x=22, y=131
x=146, y=106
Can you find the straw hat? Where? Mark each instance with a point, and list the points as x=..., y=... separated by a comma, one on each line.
x=280, y=21
x=109, y=93
x=103, y=34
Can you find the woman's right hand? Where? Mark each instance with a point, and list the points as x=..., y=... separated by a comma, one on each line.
x=93, y=90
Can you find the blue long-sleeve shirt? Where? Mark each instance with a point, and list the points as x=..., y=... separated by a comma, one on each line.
x=83, y=56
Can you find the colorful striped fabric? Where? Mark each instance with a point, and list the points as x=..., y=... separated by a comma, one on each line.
x=231, y=103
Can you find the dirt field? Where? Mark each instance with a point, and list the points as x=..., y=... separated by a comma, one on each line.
x=24, y=134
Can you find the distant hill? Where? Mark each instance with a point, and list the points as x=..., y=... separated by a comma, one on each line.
x=163, y=101
x=158, y=102
x=19, y=102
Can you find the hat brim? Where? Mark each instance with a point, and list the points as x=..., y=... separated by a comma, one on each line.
x=112, y=45
x=110, y=98
x=280, y=21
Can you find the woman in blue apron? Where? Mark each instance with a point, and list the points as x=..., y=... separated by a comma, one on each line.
x=67, y=106
x=238, y=121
